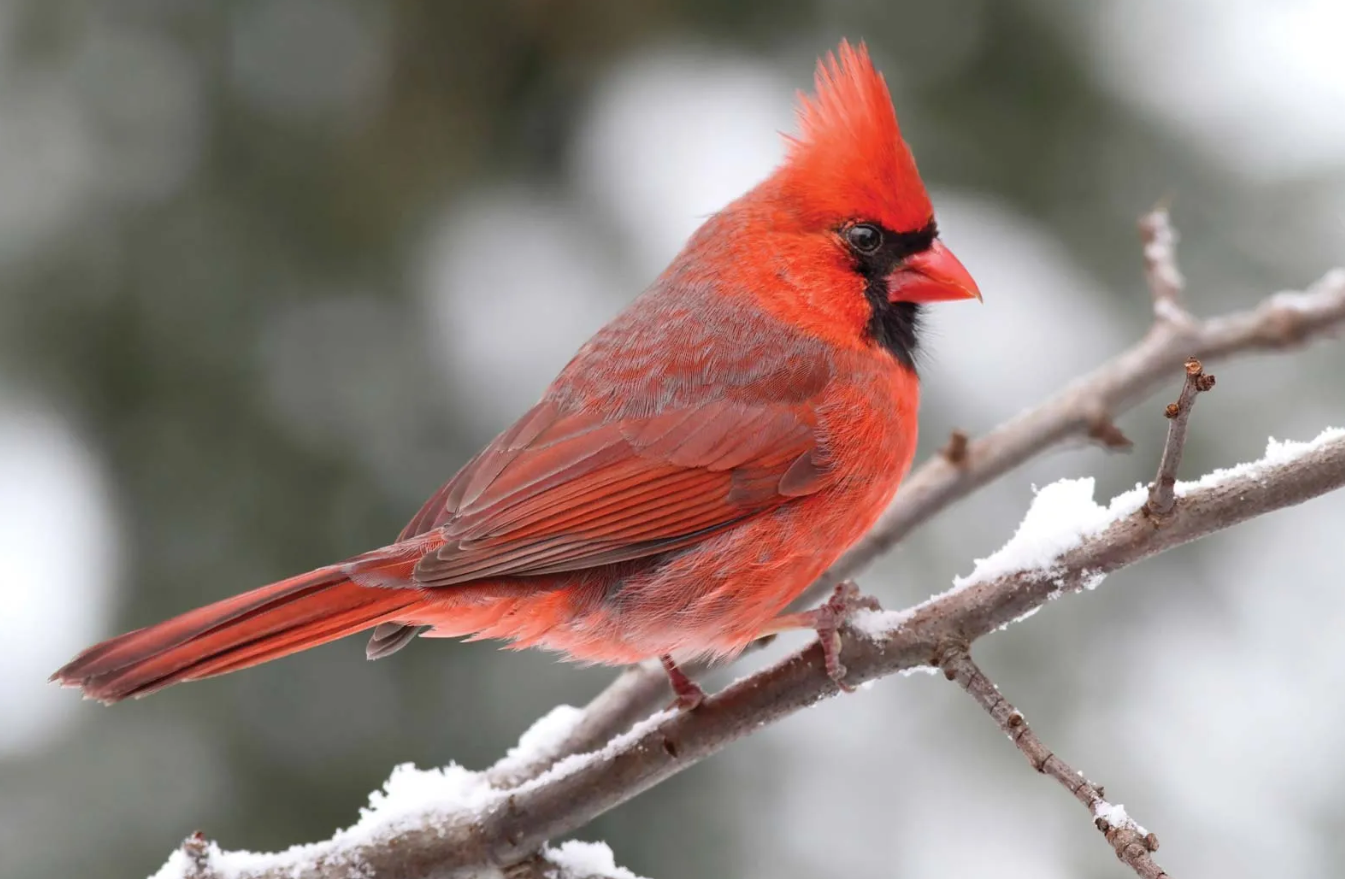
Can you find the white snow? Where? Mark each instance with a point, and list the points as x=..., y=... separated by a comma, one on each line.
x=411, y=793
x=410, y=797
x=1287, y=451
x=1091, y=580
x=1115, y=815
x=1277, y=453
x=1062, y=516
x=413, y=797
x=575, y=762
x=580, y=860
x=175, y=867
x=543, y=739
x=878, y=624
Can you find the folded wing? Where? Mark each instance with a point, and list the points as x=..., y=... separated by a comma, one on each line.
x=567, y=491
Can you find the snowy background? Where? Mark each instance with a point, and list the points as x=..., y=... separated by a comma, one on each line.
x=271, y=270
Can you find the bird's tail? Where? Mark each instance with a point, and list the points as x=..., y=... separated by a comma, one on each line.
x=251, y=628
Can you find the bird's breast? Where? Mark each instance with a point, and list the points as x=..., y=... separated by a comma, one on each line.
x=869, y=419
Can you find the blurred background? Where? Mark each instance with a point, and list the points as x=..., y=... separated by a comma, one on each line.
x=270, y=271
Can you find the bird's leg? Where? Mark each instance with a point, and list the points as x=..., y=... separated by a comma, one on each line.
x=688, y=692
x=826, y=619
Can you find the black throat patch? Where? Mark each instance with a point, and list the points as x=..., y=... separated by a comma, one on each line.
x=893, y=326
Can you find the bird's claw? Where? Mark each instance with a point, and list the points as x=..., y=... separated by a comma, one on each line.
x=689, y=694
x=827, y=621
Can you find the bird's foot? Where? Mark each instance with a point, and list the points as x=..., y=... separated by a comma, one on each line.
x=688, y=692
x=827, y=620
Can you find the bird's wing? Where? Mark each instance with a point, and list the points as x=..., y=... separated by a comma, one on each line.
x=563, y=492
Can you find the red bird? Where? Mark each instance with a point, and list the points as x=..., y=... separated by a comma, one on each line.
x=699, y=462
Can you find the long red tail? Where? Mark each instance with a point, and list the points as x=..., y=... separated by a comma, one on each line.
x=248, y=629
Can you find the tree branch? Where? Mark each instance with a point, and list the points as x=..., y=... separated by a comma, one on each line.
x=198, y=858
x=1132, y=843
x=509, y=826
x=1085, y=408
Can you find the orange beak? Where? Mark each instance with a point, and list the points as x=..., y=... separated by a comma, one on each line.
x=933, y=275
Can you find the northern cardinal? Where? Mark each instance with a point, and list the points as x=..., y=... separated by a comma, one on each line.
x=699, y=462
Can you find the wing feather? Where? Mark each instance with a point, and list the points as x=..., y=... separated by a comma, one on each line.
x=563, y=492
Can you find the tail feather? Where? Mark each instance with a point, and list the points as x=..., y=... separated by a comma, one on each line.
x=246, y=630
x=300, y=636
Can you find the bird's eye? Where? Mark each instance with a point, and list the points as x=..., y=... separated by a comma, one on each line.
x=864, y=238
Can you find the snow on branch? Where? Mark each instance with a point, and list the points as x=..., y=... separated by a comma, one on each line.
x=199, y=859
x=394, y=835
x=1068, y=542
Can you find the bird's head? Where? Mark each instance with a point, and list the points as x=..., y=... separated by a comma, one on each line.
x=851, y=218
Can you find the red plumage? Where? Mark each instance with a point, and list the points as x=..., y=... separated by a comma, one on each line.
x=699, y=462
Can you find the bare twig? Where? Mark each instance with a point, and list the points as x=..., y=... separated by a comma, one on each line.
x=522, y=819
x=1132, y=843
x=1160, y=266
x=1161, y=493
x=1083, y=409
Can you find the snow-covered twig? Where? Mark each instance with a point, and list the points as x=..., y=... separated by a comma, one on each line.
x=1067, y=543
x=634, y=695
x=197, y=858
x=195, y=855
x=1161, y=497
x=1084, y=408
x=1132, y=843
